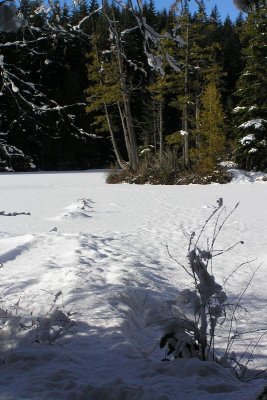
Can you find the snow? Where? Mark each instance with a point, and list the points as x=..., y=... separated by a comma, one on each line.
x=238, y=108
x=255, y=123
x=242, y=176
x=89, y=282
x=252, y=108
x=247, y=139
x=253, y=150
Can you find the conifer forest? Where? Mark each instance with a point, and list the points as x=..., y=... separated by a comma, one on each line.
x=94, y=84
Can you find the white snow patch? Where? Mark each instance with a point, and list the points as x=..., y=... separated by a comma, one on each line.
x=238, y=109
x=253, y=150
x=252, y=108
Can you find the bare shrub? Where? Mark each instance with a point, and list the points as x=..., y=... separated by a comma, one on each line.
x=18, y=326
x=201, y=313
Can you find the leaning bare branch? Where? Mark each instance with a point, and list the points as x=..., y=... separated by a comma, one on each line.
x=229, y=341
x=237, y=269
x=178, y=263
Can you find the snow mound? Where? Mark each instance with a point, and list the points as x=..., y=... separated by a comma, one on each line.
x=81, y=209
x=242, y=176
x=13, y=247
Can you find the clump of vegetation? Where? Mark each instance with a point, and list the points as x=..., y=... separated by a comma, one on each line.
x=168, y=171
x=21, y=326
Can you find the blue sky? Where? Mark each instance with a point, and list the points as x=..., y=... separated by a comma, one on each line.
x=224, y=6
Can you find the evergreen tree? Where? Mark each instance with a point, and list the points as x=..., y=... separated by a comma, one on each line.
x=56, y=12
x=149, y=12
x=109, y=94
x=65, y=15
x=200, y=64
x=80, y=11
x=93, y=6
x=231, y=49
x=159, y=89
x=251, y=112
x=38, y=15
x=215, y=15
x=25, y=8
x=210, y=136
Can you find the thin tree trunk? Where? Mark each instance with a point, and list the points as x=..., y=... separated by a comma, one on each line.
x=197, y=113
x=185, y=113
x=119, y=159
x=125, y=131
x=128, y=118
x=161, y=131
x=155, y=126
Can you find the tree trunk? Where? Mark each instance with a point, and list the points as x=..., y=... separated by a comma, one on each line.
x=161, y=131
x=125, y=131
x=119, y=159
x=133, y=152
x=133, y=156
x=185, y=113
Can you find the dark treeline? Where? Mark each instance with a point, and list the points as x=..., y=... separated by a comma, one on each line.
x=80, y=92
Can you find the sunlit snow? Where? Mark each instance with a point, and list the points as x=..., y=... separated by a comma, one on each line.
x=87, y=284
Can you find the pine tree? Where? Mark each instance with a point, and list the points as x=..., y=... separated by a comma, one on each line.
x=179, y=85
x=109, y=96
x=80, y=11
x=38, y=15
x=56, y=12
x=210, y=137
x=200, y=64
x=231, y=49
x=93, y=6
x=25, y=8
x=104, y=96
x=215, y=15
x=65, y=15
x=159, y=90
x=149, y=12
x=251, y=111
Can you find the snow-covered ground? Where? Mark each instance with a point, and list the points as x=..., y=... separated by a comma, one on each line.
x=94, y=257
